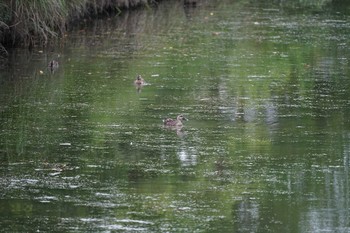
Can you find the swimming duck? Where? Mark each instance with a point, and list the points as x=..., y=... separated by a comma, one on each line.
x=139, y=80
x=174, y=122
x=53, y=64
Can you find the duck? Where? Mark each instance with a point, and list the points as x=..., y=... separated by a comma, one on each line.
x=53, y=64
x=139, y=80
x=174, y=122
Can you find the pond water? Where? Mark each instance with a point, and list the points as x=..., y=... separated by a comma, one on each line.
x=265, y=88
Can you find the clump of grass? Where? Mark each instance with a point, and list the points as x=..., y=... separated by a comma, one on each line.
x=5, y=16
x=32, y=22
x=36, y=22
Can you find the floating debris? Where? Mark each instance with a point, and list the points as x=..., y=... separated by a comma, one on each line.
x=65, y=144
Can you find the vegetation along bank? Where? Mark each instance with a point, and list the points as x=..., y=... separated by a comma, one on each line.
x=36, y=22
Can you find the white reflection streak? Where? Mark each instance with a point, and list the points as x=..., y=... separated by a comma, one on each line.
x=186, y=158
x=332, y=214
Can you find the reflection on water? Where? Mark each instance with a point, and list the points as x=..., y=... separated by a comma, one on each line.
x=266, y=147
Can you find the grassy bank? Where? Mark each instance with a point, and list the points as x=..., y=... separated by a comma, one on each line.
x=36, y=22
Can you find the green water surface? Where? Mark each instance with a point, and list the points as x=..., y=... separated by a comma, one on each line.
x=265, y=86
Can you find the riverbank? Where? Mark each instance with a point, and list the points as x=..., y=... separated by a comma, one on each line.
x=32, y=23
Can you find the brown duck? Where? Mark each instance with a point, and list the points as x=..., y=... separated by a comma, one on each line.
x=139, y=80
x=174, y=122
x=53, y=64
